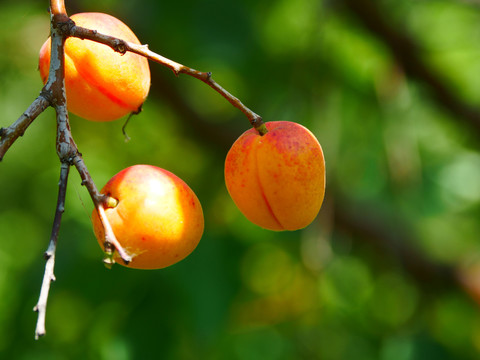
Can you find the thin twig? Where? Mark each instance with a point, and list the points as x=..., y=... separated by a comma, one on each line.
x=10, y=134
x=49, y=276
x=123, y=46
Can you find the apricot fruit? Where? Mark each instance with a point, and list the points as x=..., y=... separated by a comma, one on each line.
x=277, y=180
x=101, y=84
x=157, y=219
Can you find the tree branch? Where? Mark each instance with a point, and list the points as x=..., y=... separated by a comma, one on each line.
x=122, y=46
x=10, y=134
x=67, y=151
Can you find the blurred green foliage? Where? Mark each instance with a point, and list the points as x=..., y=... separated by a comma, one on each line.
x=403, y=173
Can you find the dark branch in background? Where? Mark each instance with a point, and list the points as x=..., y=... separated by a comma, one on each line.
x=406, y=52
x=393, y=240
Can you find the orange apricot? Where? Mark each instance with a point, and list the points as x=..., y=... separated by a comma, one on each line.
x=157, y=218
x=277, y=180
x=101, y=84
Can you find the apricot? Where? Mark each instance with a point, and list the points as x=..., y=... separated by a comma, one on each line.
x=101, y=84
x=157, y=219
x=277, y=180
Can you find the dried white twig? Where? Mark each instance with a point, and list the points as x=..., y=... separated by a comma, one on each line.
x=48, y=275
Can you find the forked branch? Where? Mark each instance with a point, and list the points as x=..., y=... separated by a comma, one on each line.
x=67, y=151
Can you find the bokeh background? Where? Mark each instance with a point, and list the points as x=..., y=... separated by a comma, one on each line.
x=387, y=271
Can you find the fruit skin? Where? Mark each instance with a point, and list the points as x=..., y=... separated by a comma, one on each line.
x=277, y=180
x=158, y=219
x=101, y=84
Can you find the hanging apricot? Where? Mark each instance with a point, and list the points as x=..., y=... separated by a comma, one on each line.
x=277, y=180
x=101, y=84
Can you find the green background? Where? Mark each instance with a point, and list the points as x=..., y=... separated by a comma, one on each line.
x=387, y=270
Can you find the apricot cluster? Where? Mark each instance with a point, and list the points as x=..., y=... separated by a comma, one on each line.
x=101, y=84
x=277, y=180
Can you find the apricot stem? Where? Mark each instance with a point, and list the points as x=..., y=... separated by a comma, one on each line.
x=261, y=129
x=124, y=127
x=123, y=46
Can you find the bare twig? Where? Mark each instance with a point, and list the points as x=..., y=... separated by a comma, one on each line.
x=46, y=98
x=10, y=134
x=49, y=276
x=55, y=88
x=123, y=46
